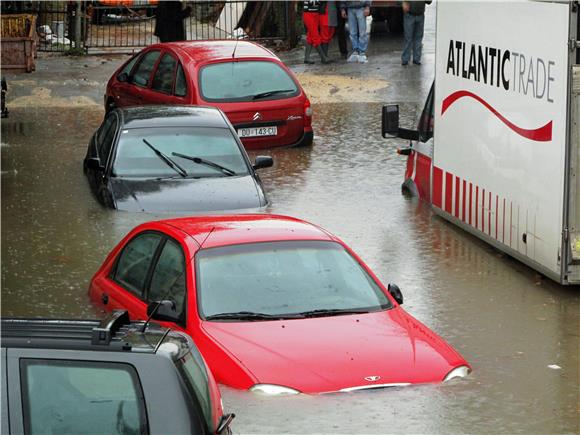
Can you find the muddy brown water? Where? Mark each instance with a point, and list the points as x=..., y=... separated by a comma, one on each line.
x=507, y=321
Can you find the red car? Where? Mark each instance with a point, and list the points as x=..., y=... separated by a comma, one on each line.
x=261, y=97
x=275, y=305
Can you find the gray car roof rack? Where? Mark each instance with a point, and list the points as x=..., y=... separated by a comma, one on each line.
x=103, y=333
x=115, y=333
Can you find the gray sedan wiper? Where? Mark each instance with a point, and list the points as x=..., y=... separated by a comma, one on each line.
x=209, y=163
x=168, y=161
x=270, y=93
x=250, y=315
x=333, y=312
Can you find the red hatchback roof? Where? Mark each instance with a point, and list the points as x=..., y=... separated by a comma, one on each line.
x=221, y=230
x=201, y=51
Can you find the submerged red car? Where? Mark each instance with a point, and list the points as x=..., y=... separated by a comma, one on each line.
x=275, y=305
x=260, y=96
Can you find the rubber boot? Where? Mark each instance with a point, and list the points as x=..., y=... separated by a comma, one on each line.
x=307, y=51
x=323, y=56
x=325, y=49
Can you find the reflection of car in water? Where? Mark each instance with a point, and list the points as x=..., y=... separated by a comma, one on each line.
x=109, y=11
x=172, y=159
x=275, y=304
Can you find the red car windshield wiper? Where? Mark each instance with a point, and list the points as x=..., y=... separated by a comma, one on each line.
x=252, y=316
x=333, y=312
x=270, y=93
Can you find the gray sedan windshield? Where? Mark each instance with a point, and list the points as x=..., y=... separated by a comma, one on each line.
x=283, y=278
x=134, y=158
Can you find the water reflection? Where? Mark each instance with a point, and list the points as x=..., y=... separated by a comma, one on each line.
x=505, y=320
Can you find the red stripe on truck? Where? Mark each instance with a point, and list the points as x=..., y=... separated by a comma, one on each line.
x=437, y=186
x=463, y=204
x=448, y=192
x=540, y=134
x=457, y=181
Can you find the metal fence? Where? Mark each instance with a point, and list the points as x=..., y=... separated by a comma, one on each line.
x=126, y=26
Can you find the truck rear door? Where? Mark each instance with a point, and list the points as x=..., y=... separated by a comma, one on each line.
x=501, y=107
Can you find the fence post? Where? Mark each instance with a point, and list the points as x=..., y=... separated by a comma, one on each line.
x=78, y=18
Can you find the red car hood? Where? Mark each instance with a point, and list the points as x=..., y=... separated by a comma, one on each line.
x=327, y=354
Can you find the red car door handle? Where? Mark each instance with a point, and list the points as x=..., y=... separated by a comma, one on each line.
x=105, y=298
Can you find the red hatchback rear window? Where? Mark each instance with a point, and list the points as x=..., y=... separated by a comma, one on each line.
x=246, y=81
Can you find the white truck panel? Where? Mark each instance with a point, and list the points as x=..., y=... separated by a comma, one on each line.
x=501, y=99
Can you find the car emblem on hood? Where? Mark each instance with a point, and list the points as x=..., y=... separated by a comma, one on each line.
x=257, y=116
x=372, y=378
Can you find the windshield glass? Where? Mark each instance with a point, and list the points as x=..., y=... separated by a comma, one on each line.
x=134, y=158
x=280, y=278
x=246, y=81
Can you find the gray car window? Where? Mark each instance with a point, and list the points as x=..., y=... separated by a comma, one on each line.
x=143, y=71
x=168, y=280
x=135, y=261
x=78, y=397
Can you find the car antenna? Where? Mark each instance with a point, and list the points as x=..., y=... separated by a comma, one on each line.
x=206, y=237
x=234, y=52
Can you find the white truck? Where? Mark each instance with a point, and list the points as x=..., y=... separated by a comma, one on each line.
x=497, y=148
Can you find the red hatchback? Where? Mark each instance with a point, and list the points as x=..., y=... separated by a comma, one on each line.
x=261, y=97
x=275, y=305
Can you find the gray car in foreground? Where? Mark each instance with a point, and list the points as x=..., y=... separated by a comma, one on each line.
x=110, y=377
x=172, y=159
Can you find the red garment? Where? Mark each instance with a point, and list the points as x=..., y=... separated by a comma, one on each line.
x=326, y=34
x=312, y=23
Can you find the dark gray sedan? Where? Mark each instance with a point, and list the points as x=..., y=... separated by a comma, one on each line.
x=172, y=158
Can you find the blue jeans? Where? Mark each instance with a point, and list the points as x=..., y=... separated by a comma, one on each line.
x=413, y=26
x=357, y=25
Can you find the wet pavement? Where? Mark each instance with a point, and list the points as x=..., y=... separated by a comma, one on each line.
x=506, y=320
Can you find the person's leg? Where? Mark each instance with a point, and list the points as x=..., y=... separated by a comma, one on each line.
x=418, y=39
x=352, y=29
x=341, y=35
x=326, y=34
x=408, y=31
x=363, y=37
x=312, y=37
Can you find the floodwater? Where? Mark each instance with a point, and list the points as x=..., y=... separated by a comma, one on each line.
x=507, y=321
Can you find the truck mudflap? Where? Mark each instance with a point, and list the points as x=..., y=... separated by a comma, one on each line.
x=417, y=180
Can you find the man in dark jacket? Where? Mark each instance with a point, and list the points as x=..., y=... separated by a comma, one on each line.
x=169, y=21
x=413, y=22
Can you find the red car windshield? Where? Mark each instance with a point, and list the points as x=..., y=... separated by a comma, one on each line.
x=245, y=81
x=283, y=278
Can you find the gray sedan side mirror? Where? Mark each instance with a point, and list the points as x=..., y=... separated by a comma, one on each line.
x=94, y=164
x=263, y=162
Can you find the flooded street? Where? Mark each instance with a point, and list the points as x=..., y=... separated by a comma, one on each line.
x=509, y=323
x=505, y=319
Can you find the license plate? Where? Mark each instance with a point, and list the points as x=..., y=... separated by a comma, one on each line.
x=258, y=131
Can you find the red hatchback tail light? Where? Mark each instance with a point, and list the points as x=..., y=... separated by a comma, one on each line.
x=307, y=113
